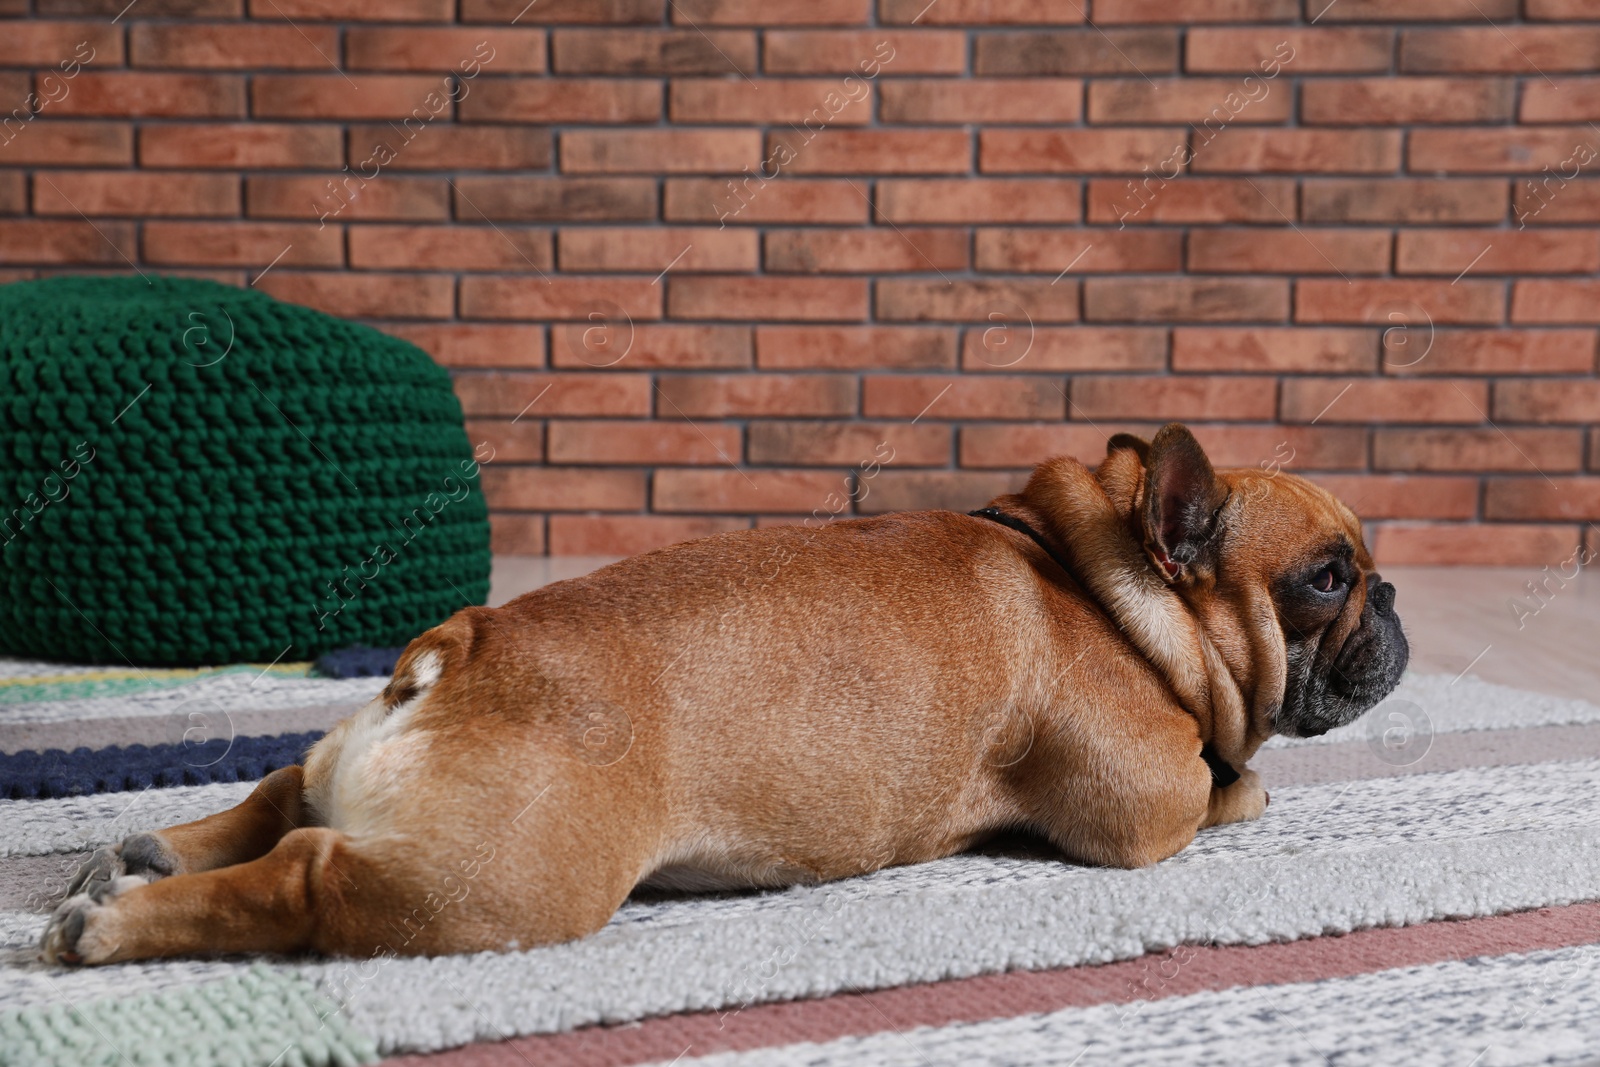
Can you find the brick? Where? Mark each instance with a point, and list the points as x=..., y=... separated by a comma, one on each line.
x=771, y=491
x=475, y=344
x=1411, y=10
x=1553, y=199
x=979, y=12
x=913, y=200
x=469, y=51
x=855, y=347
x=1185, y=299
x=67, y=241
x=253, y=145
x=617, y=300
x=1110, y=12
x=450, y=248
x=1346, y=400
x=1537, y=498
x=13, y=196
x=564, y=12
x=42, y=141
x=1402, y=496
x=349, y=199
x=1074, y=52
x=1009, y=100
x=676, y=151
x=1211, y=103
x=1556, y=301
x=1466, y=301
x=1473, y=450
x=1252, y=49
x=563, y=100
x=642, y=442
x=1547, y=401
x=1500, y=49
x=763, y=13
x=149, y=9
x=421, y=98
x=520, y=394
x=1499, y=352
x=865, y=251
x=1034, y=251
x=649, y=345
x=1189, y=396
x=1560, y=10
x=813, y=103
x=536, y=199
x=440, y=147
x=750, y=199
x=242, y=244
x=877, y=151
x=511, y=534
x=374, y=296
x=1566, y=100
x=1394, y=101
x=960, y=396
x=767, y=298
x=510, y=442
x=389, y=10
x=1487, y=151
x=628, y=535
x=1269, y=349
x=1289, y=251
x=908, y=300
x=719, y=396
x=1015, y=344
x=563, y=489
x=809, y=443
x=1502, y=252
x=40, y=43
x=653, y=52
x=653, y=250
x=1403, y=200
x=1078, y=151
x=1500, y=544
x=1226, y=445
x=948, y=490
x=164, y=194
x=1299, y=151
x=1155, y=199
x=143, y=94
x=231, y=46
x=864, y=52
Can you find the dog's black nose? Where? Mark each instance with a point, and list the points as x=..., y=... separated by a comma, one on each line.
x=1381, y=595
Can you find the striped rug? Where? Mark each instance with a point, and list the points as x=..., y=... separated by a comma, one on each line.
x=1422, y=890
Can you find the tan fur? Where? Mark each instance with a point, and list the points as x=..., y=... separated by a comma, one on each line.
x=759, y=708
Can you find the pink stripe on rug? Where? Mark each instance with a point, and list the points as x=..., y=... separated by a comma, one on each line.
x=1184, y=970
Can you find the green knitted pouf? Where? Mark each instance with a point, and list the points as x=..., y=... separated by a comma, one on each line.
x=194, y=474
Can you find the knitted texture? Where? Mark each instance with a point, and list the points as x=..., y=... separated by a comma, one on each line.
x=58, y=773
x=192, y=473
x=262, y=1018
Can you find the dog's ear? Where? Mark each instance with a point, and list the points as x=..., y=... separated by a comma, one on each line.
x=1182, y=499
x=1128, y=440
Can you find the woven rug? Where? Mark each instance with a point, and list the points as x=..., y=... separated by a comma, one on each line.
x=1421, y=890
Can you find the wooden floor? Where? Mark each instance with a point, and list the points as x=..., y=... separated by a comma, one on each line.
x=1459, y=619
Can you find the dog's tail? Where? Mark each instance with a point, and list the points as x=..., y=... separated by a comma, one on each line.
x=436, y=654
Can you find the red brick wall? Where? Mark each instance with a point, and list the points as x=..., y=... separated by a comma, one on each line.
x=744, y=261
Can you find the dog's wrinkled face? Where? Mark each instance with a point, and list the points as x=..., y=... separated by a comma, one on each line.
x=1276, y=567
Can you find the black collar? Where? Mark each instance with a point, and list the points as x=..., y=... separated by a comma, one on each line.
x=1223, y=773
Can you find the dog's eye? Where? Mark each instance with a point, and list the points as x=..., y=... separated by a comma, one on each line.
x=1325, y=581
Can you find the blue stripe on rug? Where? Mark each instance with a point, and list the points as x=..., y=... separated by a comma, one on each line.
x=55, y=773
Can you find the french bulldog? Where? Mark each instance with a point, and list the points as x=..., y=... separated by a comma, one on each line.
x=1094, y=659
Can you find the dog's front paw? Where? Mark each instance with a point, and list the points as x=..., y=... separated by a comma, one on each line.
x=78, y=932
x=145, y=855
x=1242, y=801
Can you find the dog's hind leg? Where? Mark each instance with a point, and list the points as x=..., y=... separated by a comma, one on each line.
x=242, y=833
